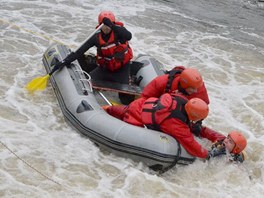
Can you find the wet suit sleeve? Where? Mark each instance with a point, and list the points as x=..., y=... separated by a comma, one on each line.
x=156, y=87
x=211, y=135
x=117, y=111
x=181, y=132
x=86, y=46
x=122, y=33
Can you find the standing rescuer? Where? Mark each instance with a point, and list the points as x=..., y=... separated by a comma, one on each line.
x=112, y=61
x=113, y=53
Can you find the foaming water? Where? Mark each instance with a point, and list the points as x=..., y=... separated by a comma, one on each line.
x=42, y=156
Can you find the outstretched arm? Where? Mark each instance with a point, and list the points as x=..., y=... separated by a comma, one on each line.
x=183, y=135
x=211, y=135
x=75, y=55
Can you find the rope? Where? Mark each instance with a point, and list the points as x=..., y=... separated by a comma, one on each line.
x=45, y=176
x=249, y=172
x=35, y=33
x=30, y=165
x=50, y=39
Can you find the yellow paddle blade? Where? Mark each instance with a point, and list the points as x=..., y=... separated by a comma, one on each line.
x=39, y=83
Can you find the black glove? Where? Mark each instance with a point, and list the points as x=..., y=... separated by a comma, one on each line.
x=237, y=157
x=218, y=144
x=71, y=57
x=196, y=128
x=58, y=65
x=214, y=152
x=108, y=22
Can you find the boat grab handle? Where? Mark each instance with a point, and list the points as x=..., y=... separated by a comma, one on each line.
x=88, y=80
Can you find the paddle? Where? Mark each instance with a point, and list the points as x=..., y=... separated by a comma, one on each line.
x=40, y=83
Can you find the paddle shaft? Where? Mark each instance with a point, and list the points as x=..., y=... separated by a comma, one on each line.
x=103, y=96
x=98, y=28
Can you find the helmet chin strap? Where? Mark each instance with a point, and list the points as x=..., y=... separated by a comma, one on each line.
x=232, y=151
x=182, y=90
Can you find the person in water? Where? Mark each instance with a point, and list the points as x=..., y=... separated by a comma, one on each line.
x=233, y=145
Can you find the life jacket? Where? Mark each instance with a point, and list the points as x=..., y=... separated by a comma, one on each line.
x=156, y=110
x=113, y=54
x=172, y=74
